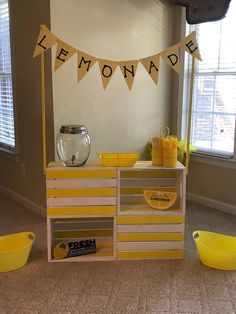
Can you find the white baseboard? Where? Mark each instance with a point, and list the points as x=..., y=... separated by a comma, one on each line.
x=23, y=201
x=209, y=202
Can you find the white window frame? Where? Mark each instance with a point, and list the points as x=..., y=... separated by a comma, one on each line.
x=8, y=150
x=198, y=156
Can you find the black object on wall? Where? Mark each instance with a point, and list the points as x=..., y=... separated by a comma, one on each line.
x=200, y=11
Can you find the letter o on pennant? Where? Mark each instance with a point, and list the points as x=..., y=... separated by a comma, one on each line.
x=106, y=70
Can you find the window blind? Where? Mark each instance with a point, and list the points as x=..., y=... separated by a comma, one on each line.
x=214, y=99
x=7, y=134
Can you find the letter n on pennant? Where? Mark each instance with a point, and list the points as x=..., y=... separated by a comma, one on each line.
x=128, y=69
x=107, y=69
x=171, y=56
x=152, y=65
x=85, y=63
x=64, y=53
x=45, y=40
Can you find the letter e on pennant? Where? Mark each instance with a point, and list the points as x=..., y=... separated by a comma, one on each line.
x=64, y=52
x=190, y=45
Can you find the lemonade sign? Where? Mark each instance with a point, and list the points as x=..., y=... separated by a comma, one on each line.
x=160, y=199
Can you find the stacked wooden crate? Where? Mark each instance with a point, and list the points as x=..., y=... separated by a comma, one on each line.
x=142, y=231
x=81, y=204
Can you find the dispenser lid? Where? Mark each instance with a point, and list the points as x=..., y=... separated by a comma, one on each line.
x=73, y=129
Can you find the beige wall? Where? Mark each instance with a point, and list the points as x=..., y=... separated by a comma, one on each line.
x=25, y=176
x=117, y=119
x=214, y=182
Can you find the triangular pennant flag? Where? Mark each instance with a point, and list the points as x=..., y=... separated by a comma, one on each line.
x=64, y=53
x=107, y=69
x=85, y=63
x=171, y=56
x=46, y=40
x=190, y=45
x=128, y=69
x=152, y=64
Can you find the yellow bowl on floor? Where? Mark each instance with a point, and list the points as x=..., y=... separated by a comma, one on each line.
x=15, y=249
x=216, y=250
x=118, y=159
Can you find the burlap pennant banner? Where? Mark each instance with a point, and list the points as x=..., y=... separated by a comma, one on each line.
x=152, y=64
x=85, y=63
x=64, y=52
x=172, y=57
x=107, y=69
x=46, y=40
x=190, y=45
x=128, y=69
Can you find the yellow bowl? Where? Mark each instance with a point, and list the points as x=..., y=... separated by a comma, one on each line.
x=216, y=250
x=15, y=249
x=118, y=159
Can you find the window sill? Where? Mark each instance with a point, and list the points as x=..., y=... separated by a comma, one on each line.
x=8, y=153
x=214, y=161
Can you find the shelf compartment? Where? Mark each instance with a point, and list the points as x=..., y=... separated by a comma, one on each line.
x=76, y=229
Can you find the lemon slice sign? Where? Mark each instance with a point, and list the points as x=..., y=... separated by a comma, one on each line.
x=160, y=199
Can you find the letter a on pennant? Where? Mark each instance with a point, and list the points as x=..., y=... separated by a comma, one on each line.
x=152, y=64
x=46, y=40
x=64, y=53
x=128, y=69
x=107, y=69
x=85, y=63
x=190, y=45
x=171, y=56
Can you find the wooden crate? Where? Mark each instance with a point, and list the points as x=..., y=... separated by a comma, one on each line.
x=94, y=197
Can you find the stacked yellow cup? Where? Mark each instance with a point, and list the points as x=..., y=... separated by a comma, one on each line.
x=157, y=153
x=170, y=145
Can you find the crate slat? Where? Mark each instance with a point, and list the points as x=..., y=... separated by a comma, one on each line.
x=82, y=201
x=82, y=210
x=166, y=236
x=162, y=254
x=83, y=192
x=149, y=246
x=137, y=220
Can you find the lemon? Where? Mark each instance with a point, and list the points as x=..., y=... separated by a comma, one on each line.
x=60, y=250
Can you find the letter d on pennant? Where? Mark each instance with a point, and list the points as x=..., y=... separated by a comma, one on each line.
x=171, y=56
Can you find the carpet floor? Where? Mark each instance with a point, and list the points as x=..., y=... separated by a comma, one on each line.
x=170, y=286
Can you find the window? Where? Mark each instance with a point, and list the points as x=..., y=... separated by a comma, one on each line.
x=7, y=134
x=214, y=99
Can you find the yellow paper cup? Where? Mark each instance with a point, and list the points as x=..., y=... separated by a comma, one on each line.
x=157, y=152
x=170, y=157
